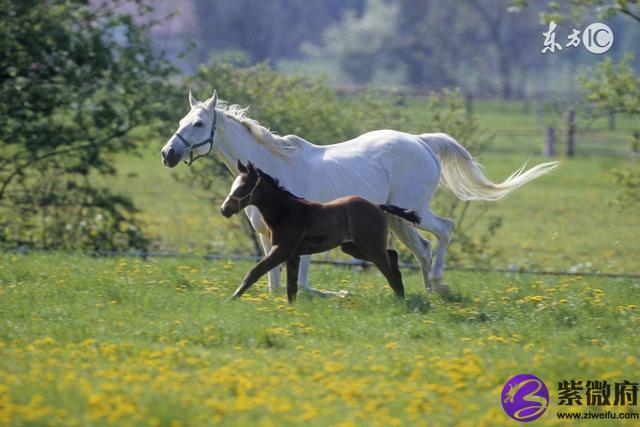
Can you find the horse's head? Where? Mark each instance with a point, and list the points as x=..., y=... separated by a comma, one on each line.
x=195, y=135
x=242, y=190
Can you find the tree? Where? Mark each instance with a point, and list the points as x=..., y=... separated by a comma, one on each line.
x=362, y=43
x=76, y=81
x=272, y=30
x=615, y=88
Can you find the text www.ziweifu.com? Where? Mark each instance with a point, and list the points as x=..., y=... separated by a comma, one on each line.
x=607, y=415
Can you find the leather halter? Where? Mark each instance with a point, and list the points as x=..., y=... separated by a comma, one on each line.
x=239, y=200
x=192, y=147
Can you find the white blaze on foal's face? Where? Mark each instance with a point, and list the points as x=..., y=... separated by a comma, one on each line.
x=239, y=188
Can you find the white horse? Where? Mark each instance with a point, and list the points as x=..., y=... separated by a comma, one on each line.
x=383, y=166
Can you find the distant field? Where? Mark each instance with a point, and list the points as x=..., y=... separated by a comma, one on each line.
x=520, y=127
x=562, y=221
x=86, y=341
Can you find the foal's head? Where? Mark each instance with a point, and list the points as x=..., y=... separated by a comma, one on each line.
x=242, y=190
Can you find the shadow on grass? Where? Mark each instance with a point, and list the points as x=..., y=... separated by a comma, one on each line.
x=417, y=303
x=455, y=298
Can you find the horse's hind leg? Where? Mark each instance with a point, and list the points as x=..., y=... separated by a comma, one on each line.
x=387, y=263
x=442, y=228
x=419, y=246
x=393, y=260
x=380, y=257
x=351, y=249
x=292, y=277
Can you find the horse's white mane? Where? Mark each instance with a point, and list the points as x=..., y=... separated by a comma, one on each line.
x=281, y=145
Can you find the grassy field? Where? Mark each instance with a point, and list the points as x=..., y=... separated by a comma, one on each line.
x=120, y=341
x=520, y=127
x=86, y=341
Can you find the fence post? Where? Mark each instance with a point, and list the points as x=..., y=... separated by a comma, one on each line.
x=468, y=104
x=635, y=145
x=612, y=120
x=571, y=132
x=550, y=143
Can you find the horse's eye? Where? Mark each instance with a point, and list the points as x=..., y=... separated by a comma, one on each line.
x=198, y=124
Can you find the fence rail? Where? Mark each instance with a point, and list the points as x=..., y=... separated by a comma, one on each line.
x=340, y=263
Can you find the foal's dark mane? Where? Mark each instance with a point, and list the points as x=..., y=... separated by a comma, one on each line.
x=276, y=184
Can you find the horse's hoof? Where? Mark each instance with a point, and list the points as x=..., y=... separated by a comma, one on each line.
x=443, y=289
x=436, y=285
x=325, y=294
x=343, y=294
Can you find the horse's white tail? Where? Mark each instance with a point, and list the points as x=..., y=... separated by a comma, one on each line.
x=463, y=175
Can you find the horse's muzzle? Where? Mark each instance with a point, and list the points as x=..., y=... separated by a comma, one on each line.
x=169, y=158
x=226, y=211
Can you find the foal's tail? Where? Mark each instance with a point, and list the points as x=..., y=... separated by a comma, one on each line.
x=408, y=214
x=463, y=175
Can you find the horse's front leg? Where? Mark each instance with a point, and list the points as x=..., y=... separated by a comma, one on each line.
x=276, y=256
x=275, y=274
x=303, y=281
x=258, y=224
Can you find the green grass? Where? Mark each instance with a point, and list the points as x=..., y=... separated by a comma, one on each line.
x=86, y=341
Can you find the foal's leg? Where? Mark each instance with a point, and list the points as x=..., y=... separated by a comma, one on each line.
x=351, y=249
x=275, y=274
x=258, y=224
x=388, y=268
x=276, y=256
x=292, y=277
x=393, y=260
x=419, y=246
x=380, y=257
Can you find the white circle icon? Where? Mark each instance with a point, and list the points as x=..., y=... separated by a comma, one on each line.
x=597, y=38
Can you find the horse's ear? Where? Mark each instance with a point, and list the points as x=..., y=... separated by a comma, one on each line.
x=211, y=102
x=241, y=167
x=192, y=100
x=252, y=169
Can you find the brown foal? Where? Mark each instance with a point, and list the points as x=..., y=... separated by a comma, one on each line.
x=300, y=227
